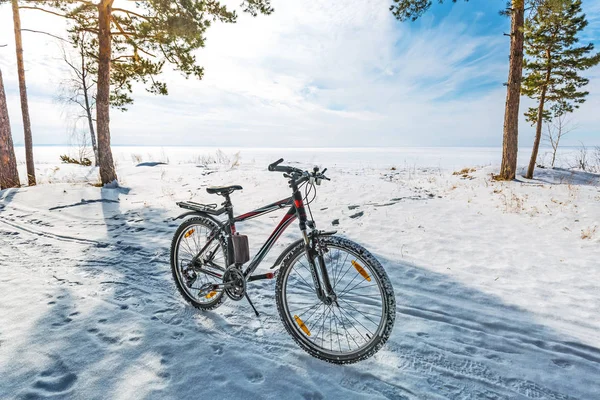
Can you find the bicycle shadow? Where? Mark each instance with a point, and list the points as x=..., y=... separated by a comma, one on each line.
x=117, y=328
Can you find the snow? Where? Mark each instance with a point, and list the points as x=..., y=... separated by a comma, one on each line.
x=497, y=284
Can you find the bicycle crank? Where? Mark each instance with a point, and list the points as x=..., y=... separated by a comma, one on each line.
x=234, y=283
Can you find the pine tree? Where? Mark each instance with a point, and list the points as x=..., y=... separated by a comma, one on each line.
x=134, y=44
x=413, y=9
x=23, y=93
x=553, y=63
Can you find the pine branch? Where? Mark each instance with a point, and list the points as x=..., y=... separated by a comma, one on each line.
x=46, y=33
x=47, y=11
x=150, y=19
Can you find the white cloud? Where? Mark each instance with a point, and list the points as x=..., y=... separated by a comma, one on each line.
x=335, y=73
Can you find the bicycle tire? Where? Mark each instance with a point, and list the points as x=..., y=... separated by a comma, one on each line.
x=388, y=301
x=218, y=298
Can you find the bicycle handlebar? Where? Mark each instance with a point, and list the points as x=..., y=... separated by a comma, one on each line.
x=292, y=170
x=283, y=168
x=275, y=164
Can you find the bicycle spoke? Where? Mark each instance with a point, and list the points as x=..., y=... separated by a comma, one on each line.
x=363, y=314
x=307, y=284
x=338, y=270
x=357, y=285
x=345, y=314
x=310, y=308
x=345, y=330
x=313, y=313
x=306, y=307
x=189, y=249
x=347, y=269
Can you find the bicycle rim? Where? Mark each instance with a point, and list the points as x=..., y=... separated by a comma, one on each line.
x=347, y=328
x=189, y=244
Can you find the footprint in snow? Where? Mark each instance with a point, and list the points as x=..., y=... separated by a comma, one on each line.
x=312, y=396
x=255, y=377
x=217, y=348
x=108, y=339
x=561, y=363
x=57, y=380
x=358, y=214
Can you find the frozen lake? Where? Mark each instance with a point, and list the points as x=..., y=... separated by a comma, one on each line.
x=448, y=158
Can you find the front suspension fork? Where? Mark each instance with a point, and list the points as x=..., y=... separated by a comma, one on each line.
x=318, y=271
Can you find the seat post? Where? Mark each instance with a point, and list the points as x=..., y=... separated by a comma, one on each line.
x=228, y=206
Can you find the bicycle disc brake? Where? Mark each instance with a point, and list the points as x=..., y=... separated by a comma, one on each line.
x=235, y=283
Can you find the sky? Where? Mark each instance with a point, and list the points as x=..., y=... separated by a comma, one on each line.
x=336, y=73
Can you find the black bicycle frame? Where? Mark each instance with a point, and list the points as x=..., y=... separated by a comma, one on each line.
x=287, y=219
x=296, y=210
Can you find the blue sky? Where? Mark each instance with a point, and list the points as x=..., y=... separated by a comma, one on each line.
x=337, y=73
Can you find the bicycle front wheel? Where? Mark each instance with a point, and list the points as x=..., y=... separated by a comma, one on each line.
x=358, y=323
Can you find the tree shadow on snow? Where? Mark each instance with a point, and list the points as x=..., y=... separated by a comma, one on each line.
x=557, y=176
x=134, y=337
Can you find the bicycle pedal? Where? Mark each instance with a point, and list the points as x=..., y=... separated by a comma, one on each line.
x=207, y=288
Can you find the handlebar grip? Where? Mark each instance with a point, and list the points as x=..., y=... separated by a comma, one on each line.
x=273, y=166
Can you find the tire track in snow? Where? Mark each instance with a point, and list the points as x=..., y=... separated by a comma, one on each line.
x=520, y=336
x=63, y=238
x=433, y=363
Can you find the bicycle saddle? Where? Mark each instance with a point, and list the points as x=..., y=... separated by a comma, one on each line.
x=223, y=189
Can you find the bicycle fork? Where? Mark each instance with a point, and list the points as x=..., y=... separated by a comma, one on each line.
x=319, y=273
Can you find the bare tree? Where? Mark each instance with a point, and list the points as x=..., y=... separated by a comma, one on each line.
x=82, y=142
x=596, y=158
x=23, y=91
x=80, y=88
x=557, y=128
x=580, y=160
x=9, y=176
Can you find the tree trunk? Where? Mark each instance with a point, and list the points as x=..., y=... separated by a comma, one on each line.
x=88, y=108
x=23, y=91
x=510, y=145
x=92, y=132
x=555, y=148
x=538, y=136
x=538, y=127
x=107, y=167
x=9, y=176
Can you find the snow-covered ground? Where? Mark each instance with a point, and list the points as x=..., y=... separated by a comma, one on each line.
x=497, y=284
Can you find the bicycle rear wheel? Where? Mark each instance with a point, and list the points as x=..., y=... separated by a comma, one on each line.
x=358, y=323
x=189, y=241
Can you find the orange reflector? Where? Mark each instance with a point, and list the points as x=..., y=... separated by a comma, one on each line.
x=361, y=270
x=189, y=233
x=301, y=325
x=211, y=295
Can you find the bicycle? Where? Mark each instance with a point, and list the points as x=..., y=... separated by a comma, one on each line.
x=333, y=297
